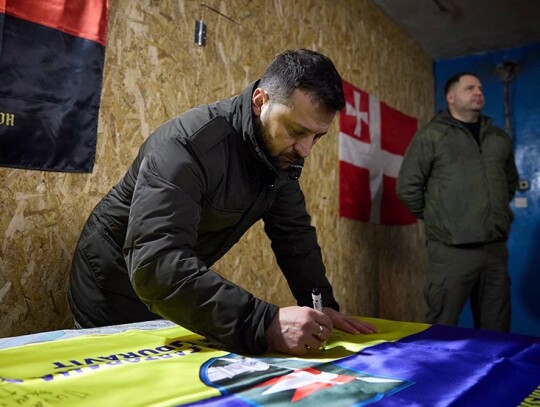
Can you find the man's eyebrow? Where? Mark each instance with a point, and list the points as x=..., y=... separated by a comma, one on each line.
x=298, y=126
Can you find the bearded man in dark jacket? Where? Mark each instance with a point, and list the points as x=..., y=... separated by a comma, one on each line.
x=199, y=182
x=459, y=176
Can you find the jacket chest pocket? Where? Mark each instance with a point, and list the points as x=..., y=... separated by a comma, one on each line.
x=215, y=219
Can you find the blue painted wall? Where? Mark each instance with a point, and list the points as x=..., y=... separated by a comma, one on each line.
x=524, y=241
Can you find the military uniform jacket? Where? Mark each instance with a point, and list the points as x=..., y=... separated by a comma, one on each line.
x=460, y=188
x=197, y=185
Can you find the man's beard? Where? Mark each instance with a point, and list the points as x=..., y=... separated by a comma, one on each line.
x=265, y=142
x=261, y=136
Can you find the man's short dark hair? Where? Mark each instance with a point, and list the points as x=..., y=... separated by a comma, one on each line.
x=455, y=79
x=308, y=71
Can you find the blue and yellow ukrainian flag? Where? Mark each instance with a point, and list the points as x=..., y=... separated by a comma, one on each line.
x=404, y=364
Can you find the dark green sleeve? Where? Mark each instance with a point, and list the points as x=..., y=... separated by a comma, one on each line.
x=294, y=242
x=165, y=271
x=511, y=175
x=414, y=173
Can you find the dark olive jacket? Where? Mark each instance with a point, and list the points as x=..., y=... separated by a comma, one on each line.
x=197, y=185
x=460, y=188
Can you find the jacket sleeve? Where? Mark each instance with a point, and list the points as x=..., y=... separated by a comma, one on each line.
x=413, y=174
x=165, y=271
x=294, y=242
x=512, y=176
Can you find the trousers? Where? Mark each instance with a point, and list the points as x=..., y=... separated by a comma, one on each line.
x=478, y=273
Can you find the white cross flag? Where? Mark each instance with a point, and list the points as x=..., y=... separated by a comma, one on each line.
x=373, y=138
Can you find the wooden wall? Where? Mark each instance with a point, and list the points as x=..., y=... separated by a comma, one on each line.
x=153, y=71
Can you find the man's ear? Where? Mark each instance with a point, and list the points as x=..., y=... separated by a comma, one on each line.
x=259, y=98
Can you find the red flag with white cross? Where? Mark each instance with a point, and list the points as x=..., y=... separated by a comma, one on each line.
x=373, y=138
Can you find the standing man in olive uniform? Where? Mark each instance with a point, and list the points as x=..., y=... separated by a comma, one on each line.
x=459, y=176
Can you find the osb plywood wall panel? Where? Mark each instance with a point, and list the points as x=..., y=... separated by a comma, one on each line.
x=153, y=71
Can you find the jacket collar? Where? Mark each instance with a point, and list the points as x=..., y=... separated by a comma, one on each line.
x=445, y=117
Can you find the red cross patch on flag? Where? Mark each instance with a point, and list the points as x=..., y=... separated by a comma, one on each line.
x=373, y=138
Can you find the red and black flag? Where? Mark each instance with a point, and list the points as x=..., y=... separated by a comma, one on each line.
x=51, y=68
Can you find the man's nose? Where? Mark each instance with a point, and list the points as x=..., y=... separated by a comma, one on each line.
x=303, y=146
